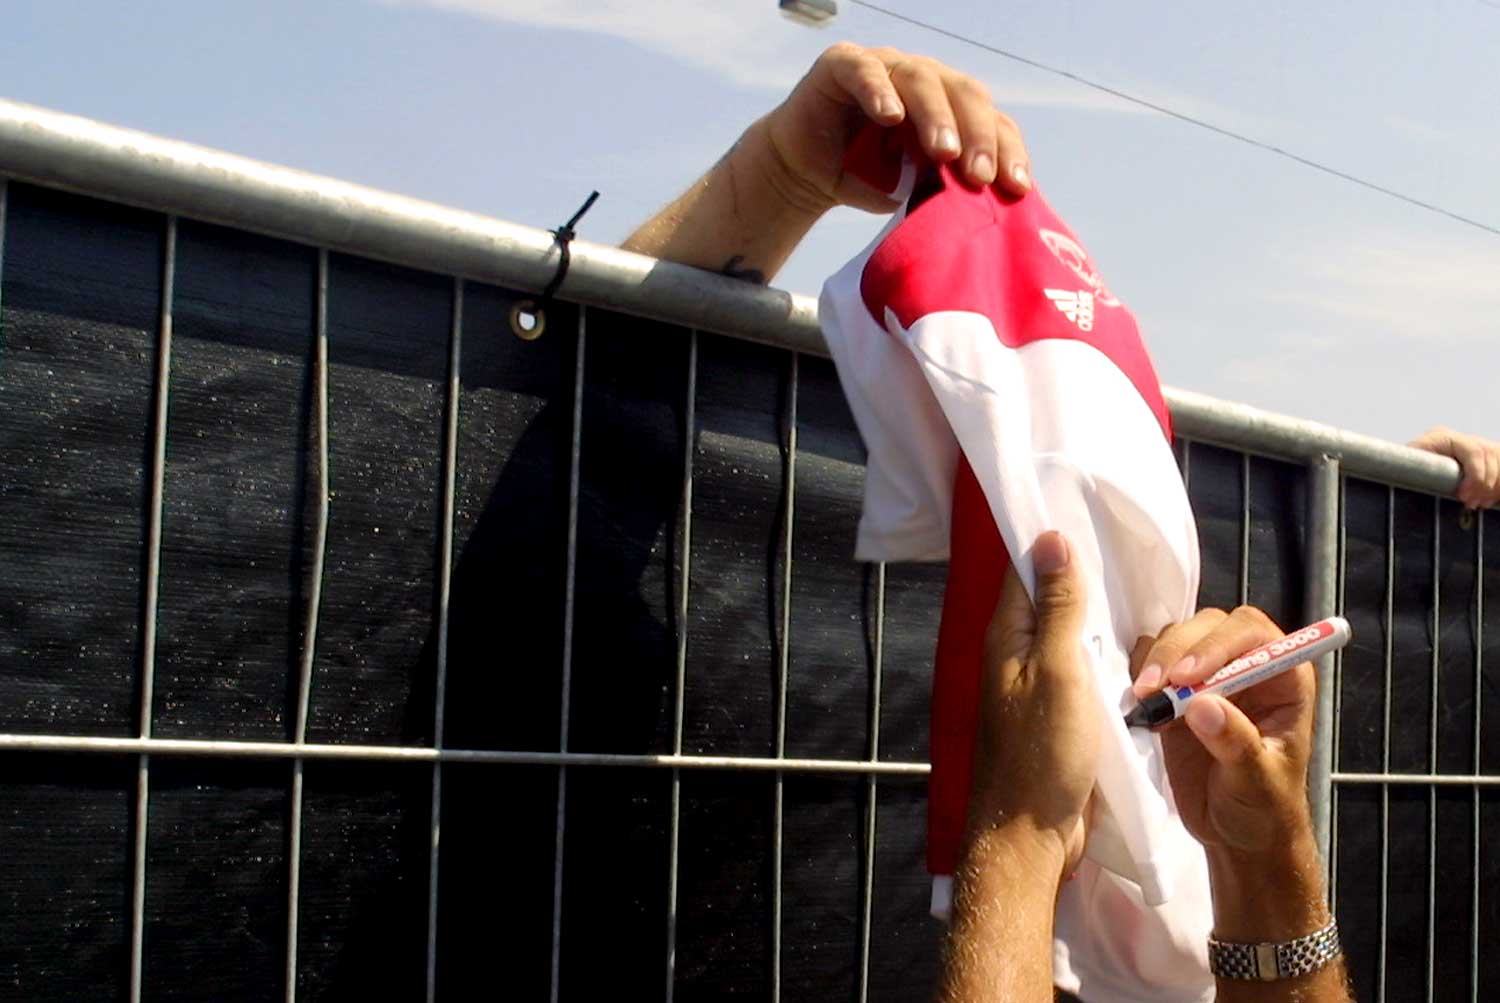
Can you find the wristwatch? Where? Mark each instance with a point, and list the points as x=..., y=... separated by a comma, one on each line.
x=1270, y=962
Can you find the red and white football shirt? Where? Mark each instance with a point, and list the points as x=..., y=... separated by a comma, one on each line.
x=1002, y=391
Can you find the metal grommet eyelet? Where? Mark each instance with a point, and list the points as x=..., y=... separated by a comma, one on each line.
x=526, y=321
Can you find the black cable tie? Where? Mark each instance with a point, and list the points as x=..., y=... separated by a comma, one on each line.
x=563, y=235
x=734, y=271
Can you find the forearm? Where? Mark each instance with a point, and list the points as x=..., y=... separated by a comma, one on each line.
x=745, y=215
x=999, y=944
x=1274, y=897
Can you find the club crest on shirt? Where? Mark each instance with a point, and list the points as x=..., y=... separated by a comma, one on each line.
x=1066, y=250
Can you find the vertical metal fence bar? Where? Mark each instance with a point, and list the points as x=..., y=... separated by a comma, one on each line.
x=1338, y=705
x=4, y=200
x=1432, y=738
x=445, y=585
x=569, y=589
x=1478, y=698
x=1322, y=587
x=310, y=636
x=790, y=501
x=685, y=549
x=1244, y=528
x=867, y=893
x=152, y=599
x=1385, y=736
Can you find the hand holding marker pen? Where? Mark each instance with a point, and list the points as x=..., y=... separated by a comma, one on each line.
x=1254, y=666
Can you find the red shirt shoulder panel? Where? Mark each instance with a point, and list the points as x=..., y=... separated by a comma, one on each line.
x=1012, y=261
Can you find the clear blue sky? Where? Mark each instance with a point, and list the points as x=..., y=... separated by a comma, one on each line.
x=1253, y=278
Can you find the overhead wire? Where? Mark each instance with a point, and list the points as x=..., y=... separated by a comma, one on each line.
x=1181, y=116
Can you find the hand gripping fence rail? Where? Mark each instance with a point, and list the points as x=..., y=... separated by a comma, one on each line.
x=1302, y=518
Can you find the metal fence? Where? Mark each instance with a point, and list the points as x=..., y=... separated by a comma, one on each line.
x=1297, y=517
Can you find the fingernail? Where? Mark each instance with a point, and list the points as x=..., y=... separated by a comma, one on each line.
x=1050, y=554
x=1149, y=680
x=887, y=106
x=983, y=168
x=946, y=141
x=1206, y=716
x=1021, y=175
x=1182, y=668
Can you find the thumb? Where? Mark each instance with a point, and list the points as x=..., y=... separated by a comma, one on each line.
x=1227, y=734
x=1060, y=600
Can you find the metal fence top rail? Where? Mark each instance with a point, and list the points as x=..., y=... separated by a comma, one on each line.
x=135, y=168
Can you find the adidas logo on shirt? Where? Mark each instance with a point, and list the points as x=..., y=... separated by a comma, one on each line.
x=1077, y=307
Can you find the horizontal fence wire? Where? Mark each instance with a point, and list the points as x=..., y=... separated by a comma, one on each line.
x=216, y=749
x=1419, y=779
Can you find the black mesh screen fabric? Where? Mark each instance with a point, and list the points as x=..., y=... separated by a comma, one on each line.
x=235, y=518
x=65, y=902
x=81, y=295
x=777, y=646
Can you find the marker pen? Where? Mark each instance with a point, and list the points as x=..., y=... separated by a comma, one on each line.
x=1254, y=666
